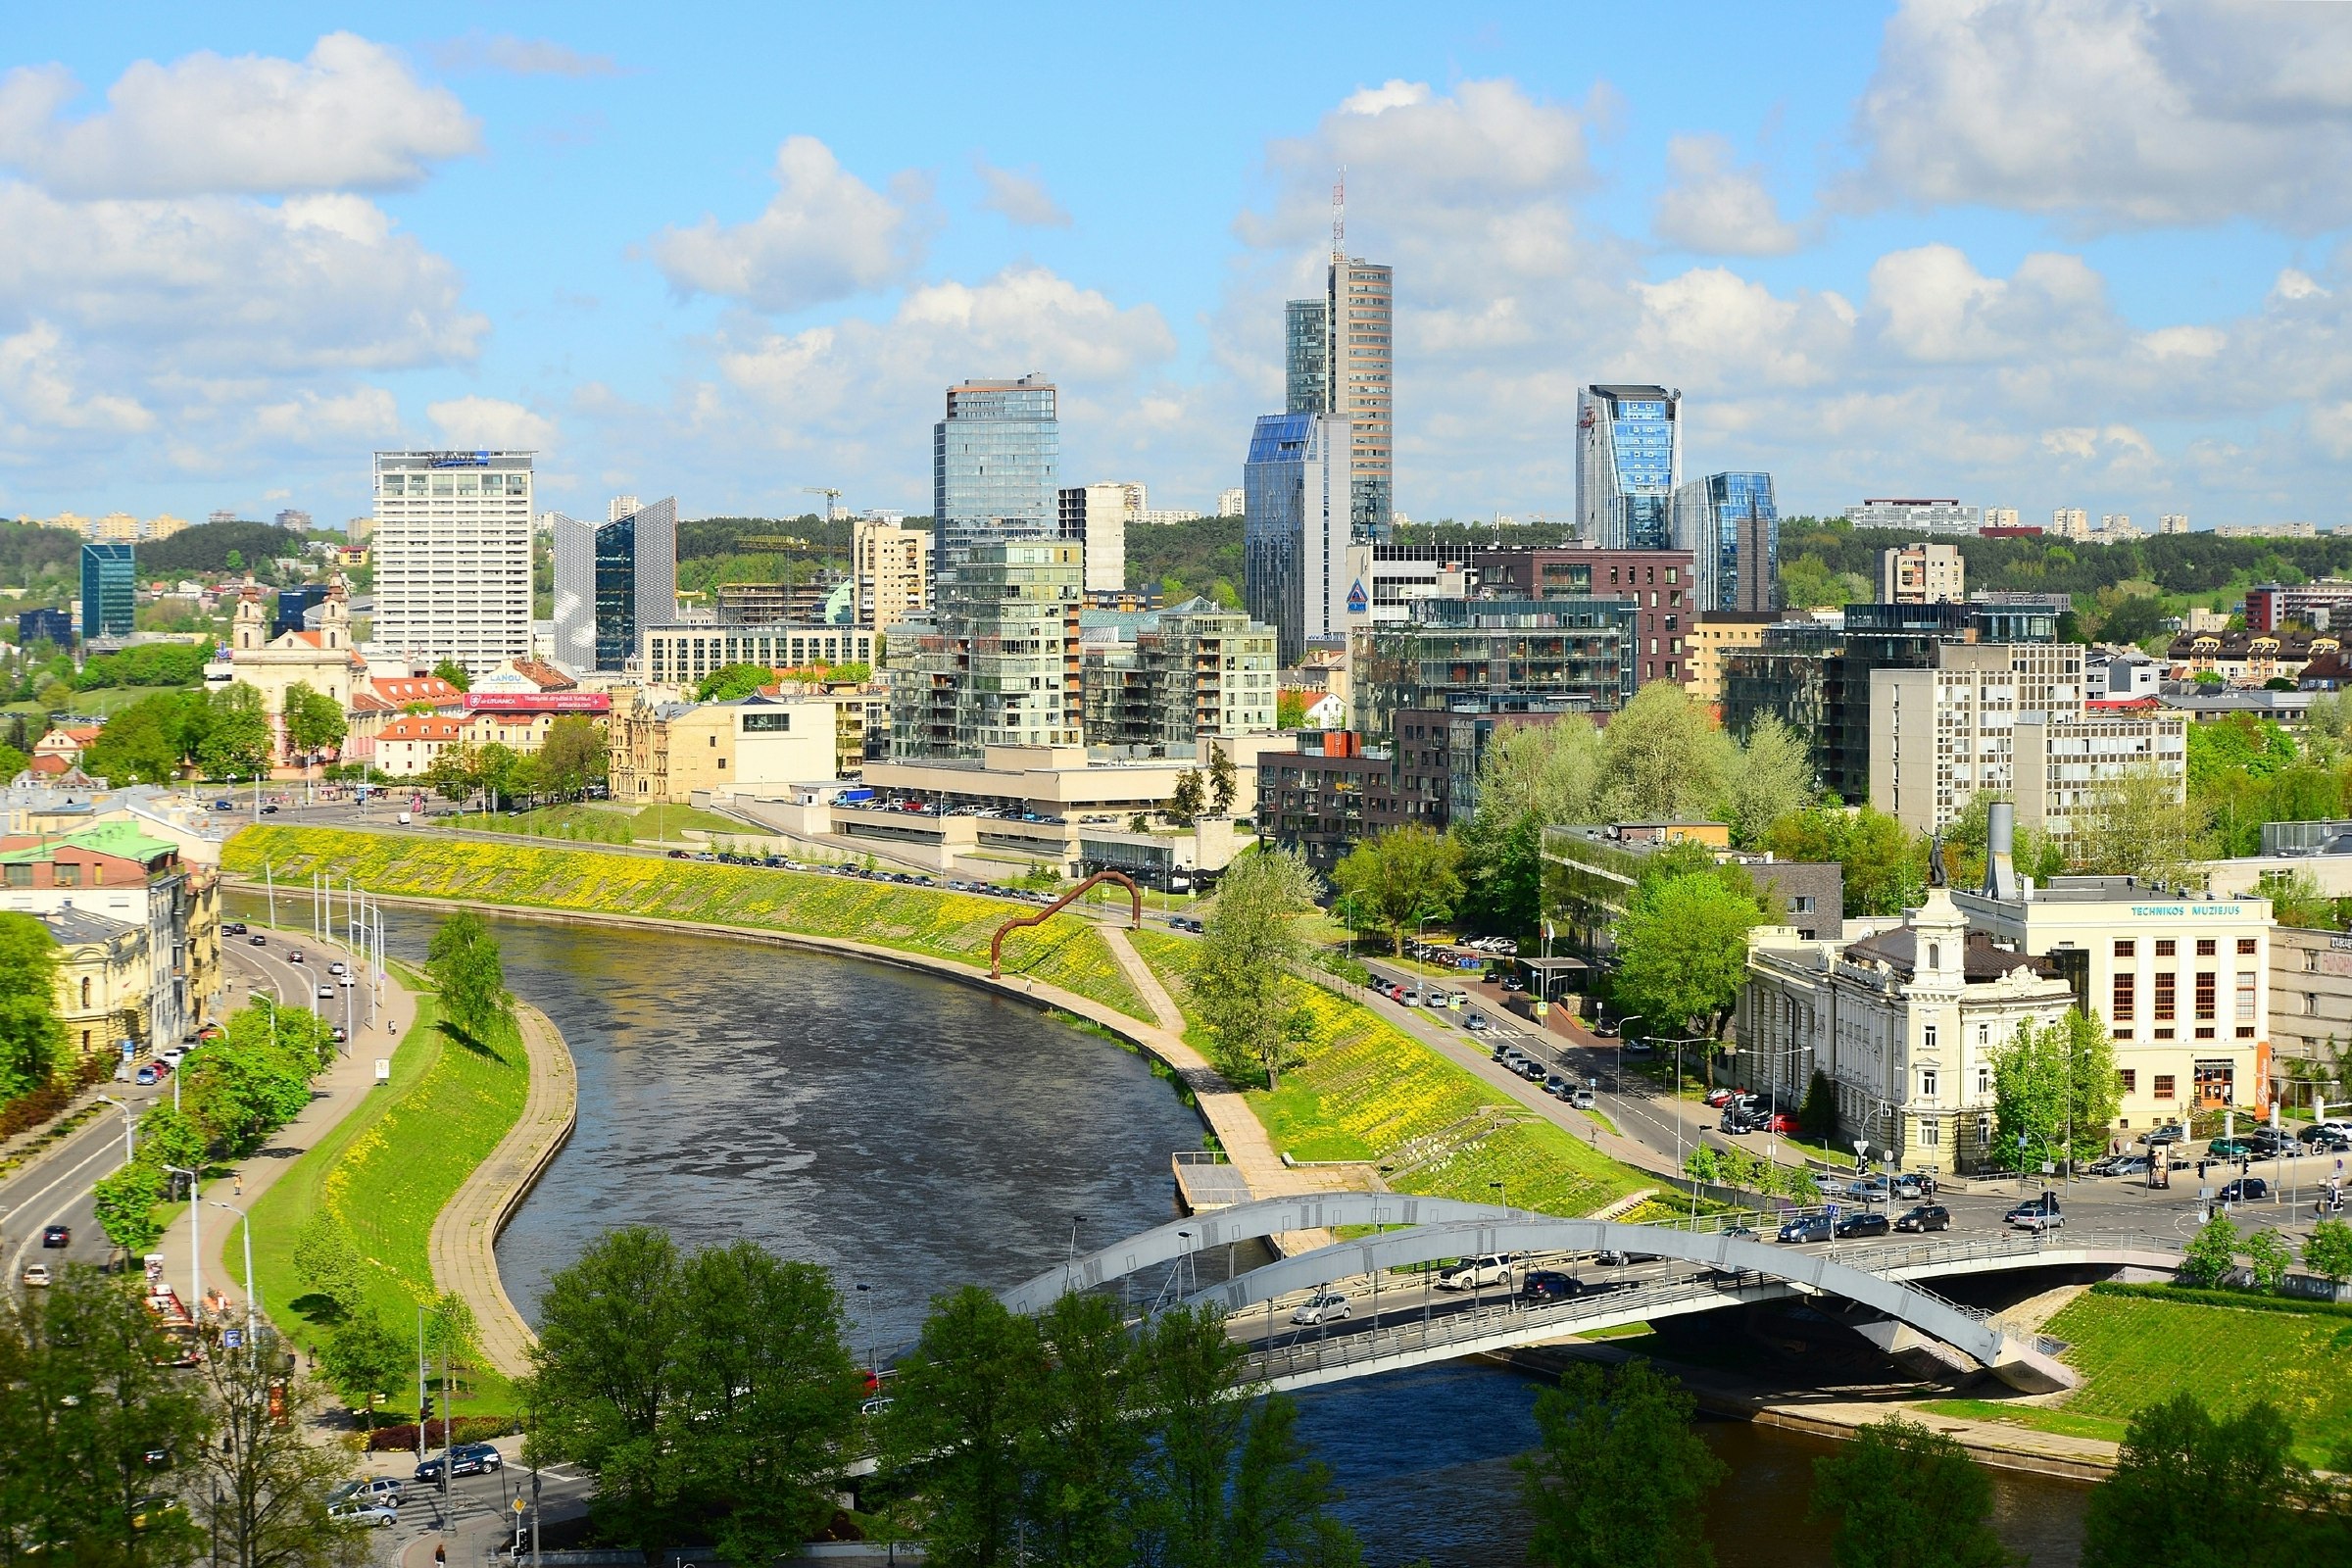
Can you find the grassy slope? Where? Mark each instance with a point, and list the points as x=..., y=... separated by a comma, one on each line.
x=1368, y=1091
x=1069, y=953
x=2134, y=1350
x=386, y=1172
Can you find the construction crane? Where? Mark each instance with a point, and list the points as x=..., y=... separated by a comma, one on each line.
x=832, y=497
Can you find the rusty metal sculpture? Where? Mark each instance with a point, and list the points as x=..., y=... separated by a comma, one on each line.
x=996, y=944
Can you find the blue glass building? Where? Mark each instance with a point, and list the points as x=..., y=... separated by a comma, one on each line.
x=1729, y=523
x=44, y=626
x=1295, y=528
x=1628, y=464
x=996, y=466
x=293, y=604
x=107, y=575
x=612, y=581
x=1306, y=357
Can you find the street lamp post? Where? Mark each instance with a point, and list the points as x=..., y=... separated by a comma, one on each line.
x=128, y=1124
x=195, y=1238
x=246, y=1221
x=1629, y=1019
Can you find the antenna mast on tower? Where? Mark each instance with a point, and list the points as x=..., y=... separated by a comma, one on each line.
x=1338, y=216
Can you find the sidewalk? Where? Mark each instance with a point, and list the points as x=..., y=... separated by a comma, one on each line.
x=334, y=1094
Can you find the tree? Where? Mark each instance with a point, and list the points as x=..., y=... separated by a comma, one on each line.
x=2056, y=1087
x=234, y=560
x=1241, y=982
x=125, y=1202
x=1189, y=801
x=502, y=772
x=314, y=720
x=1404, y=876
x=1088, y=1436
x=1681, y=952
x=2139, y=825
x=1817, y=1118
x=1907, y=1497
x=1621, y=1480
x=2211, y=1253
x=237, y=744
x=1290, y=710
x=1661, y=758
x=365, y=1360
x=169, y=1135
x=463, y=961
x=730, y=681
x=455, y=773
x=572, y=756
x=963, y=1408
x=269, y=1482
x=1223, y=780
x=144, y=743
x=450, y=670
x=2327, y=1252
x=2268, y=1259
x=1886, y=872
x=2192, y=1489
x=327, y=1261
x=32, y=1043
x=1770, y=778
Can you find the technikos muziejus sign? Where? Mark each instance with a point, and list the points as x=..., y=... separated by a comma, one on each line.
x=2224, y=911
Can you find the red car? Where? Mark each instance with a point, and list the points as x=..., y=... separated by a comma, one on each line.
x=1782, y=1123
x=1719, y=1098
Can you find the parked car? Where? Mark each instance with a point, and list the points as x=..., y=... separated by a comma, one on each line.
x=1782, y=1122
x=1870, y=1222
x=147, y=1074
x=57, y=1235
x=2170, y=1133
x=1547, y=1285
x=2232, y=1149
x=1475, y=1273
x=1532, y=1070
x=1719, y=1098
x=1925, y=1217
x=1584, y=1099
x=1604, y=1030
x=466, y=1460
x=2323, y=1141
x=2130, y=1165
x=1807, y=1228
x=2245, y=1190
x=1323, y=1306
x=363, y=1511
x=1557, y=1087
x=1737, y=1122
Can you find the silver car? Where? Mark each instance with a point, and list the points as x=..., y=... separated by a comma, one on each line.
x=363, y=1511
x=1324, y=1306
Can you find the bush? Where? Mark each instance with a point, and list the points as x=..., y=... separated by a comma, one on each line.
x=29, y=1110
x=468, y=1429
x=1817, y=1118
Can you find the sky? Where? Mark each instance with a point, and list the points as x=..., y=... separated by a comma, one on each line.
x=2032, y=255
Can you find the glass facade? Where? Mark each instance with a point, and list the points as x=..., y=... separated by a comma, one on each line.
x=1306, y=356
x=612, y=581
x=996, y=464
x=106, y=590
x=1729, y=523
x=617, y=592
x=1294, y=531
x=1577, y=653
x=1628, y=462
x=1001, y=667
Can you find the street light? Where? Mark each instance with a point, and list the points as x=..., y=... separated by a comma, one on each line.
x=195, y=1239
x=246, y=1221
x=127, y=1122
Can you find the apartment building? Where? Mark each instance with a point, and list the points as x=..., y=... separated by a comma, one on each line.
x=669, y=752
x=891, y=568
x=1922, y=574
x=452, y=556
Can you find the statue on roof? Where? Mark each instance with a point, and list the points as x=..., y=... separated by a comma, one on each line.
x=1936, y=873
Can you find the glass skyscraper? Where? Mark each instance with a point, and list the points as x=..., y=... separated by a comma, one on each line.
x=1306, y=356
x=1732, y=530
x=1339, y=356
x=612, y=581
x=106, y=590
x=995, y=463
x=1295, y=528
x=1629, y=463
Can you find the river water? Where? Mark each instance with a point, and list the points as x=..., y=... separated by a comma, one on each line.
x=916, y=1135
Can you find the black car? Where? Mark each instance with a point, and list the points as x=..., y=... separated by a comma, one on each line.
x=235, y=928
x=1547, y=1285
x=57, y=1235
x=258, y=940
x=1869, y=1223
x=2245, y=1190
x=2171, y=1133
x=1925, y=1217
x=466, y=1460
x=2324, y=1141
x=1737, y=1123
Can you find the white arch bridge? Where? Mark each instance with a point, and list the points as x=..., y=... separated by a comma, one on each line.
x=1722, y=1271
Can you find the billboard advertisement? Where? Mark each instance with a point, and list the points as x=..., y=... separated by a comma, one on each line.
x=538, y=702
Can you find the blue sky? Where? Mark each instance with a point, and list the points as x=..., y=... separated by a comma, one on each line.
x=2028, y=255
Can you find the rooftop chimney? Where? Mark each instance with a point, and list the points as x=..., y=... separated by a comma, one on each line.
x=2000, y=836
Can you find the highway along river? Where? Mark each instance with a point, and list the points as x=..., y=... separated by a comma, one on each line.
x=915, y=1133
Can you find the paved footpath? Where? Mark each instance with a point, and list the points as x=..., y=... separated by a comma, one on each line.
x=464, y=1236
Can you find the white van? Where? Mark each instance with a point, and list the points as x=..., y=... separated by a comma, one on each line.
x=404, y=819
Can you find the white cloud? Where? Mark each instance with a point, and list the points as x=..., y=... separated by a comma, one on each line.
x=1937, y=308
x=479, y=422
x=2115, y=113
x=1021, y=198
x=336, y=421
x=1717, y=209
x=827, y=236
x=476, y=50
x=38, y=398
x=351, y=117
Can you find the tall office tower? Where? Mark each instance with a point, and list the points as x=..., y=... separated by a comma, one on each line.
x=612, y=579
x=1363, y=362
x=891, y=568
x=995, y=461
x=1306, y=356
x=452, y=556
x=619, y=507
x=1629, y=461
x=2173, y=523
x=1296, y=528
x=107, y=576
x=1732, y=530
x=1096, y=517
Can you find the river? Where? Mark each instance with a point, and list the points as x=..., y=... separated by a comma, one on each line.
x=915, y=1134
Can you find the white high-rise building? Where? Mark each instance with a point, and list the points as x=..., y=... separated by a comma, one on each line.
x=620, y=507
x=452, y=556
x=2173, y=523
x=1098, y=516
x=1229, y=501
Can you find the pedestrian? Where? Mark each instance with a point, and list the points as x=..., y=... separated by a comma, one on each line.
x=440, y=1556
x=240, y=1183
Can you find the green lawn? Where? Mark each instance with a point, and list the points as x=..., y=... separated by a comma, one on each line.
x=1368, y=1091
x=2033, y=1417
x=387, y=1173
x=2137, y=1350
x=1068, y=952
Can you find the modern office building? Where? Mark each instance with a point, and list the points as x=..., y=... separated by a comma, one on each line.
x=1914, y=516
x=53, y=626
x=1306, y=356
x=2273, y=606
x=295, y=603
x=1295, y=528
x=1729, y=523
x=1629, y=463
x=682, y=655
x=996, y=466
x=106, y=581
x=1327, y=797
x=1095, y=517
x=1338, y=358
x=1189, y=672
x=1712, y=637
x=452, y=556
x=998, y=661
x=1922, y=574
x=613, y=579
x=1570, y=654
x=891, y=566
x=1394, y=578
